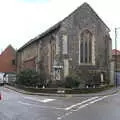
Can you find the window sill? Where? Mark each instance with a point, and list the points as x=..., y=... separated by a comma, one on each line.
x=87, y=64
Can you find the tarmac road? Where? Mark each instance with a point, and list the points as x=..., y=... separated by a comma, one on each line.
x=17, y=106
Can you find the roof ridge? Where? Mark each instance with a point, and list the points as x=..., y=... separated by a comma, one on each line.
x=55, y=26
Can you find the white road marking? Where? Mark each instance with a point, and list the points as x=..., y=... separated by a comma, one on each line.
x=45, y=100
x=98, y=100
x=39, y=106
x=83, y=105
x=48, y=100
x=113, y=94
x=94, y=101
x=24, y=103
x=59, y=118
x=66, y=114
x=83, y=102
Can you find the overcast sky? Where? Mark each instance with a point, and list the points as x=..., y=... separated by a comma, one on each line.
x=22, y=20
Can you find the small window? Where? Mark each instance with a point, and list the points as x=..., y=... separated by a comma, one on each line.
x=13, y=62
x=65, y=44
x=57, y=45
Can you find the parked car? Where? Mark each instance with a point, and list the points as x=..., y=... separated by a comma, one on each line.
x=9, y=78
x=1, y=79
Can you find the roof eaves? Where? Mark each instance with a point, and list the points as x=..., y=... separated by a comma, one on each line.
x=54, y=27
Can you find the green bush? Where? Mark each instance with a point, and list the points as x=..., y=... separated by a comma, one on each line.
x=89, y=77
x=72, y=81
x=42, y=80
x=31, y=78
x=27, y=78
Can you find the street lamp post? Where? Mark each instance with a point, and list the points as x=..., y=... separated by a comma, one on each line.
x=116, y=55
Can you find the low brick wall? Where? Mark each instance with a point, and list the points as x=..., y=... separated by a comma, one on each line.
x=63, y=90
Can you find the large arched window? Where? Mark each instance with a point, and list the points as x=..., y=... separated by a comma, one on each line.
x=86, y=47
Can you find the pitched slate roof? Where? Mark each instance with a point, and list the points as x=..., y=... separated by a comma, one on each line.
x=58, y=25
x=114, y=52
x=9, y=47
x=41, y=35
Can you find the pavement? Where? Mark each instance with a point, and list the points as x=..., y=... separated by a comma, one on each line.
x=102, y=93
x=18, y=106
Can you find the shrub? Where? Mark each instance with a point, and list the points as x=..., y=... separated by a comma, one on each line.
x=89, y=77
x=42, y=80
x=31, y=78
x=27, y=78
x=72, y=81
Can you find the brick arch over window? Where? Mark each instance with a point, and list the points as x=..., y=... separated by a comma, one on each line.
x=86, y=47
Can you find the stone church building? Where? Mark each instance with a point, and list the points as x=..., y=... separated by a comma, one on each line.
x=81, y=41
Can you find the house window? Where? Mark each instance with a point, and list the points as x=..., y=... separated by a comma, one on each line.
x=86, y=47
x=57, y=45
x=65, y=44
x=81, y=51
x=13, y=62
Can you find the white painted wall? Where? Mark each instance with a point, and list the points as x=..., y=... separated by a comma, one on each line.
x=1, y=77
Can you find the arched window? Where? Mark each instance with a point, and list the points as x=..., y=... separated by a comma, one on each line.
x=86, y=47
